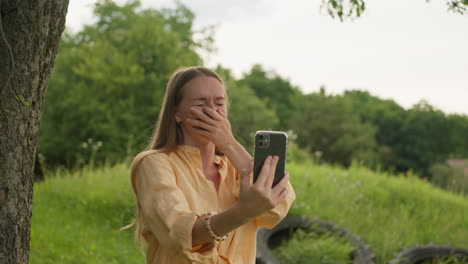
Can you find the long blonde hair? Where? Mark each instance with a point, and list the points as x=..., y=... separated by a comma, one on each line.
x=167, y=133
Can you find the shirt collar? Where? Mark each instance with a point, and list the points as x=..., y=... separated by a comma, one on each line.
x=194, y=151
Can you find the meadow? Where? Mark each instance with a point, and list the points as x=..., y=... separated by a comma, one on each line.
x=388, y=212
x=77, y=215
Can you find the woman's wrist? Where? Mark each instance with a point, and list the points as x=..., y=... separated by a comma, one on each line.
x=239, y=214
x=229, y=146
x=223, y=223
x=238, y=155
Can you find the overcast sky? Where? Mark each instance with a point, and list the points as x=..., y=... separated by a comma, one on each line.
x=405, y=50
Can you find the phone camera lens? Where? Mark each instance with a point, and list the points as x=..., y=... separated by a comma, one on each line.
x=261, y=136
x=260, y=143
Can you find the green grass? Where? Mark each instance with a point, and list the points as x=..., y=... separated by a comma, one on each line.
x=76, y=218
x=76, y=215
x=388, y=212
x=309, y=247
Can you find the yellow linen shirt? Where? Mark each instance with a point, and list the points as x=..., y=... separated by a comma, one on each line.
x=173, y=192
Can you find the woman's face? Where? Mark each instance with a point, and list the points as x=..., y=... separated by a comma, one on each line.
x=202, y=91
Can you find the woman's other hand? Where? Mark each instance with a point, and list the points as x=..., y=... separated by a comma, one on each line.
x=259, y=197
x=213, y=125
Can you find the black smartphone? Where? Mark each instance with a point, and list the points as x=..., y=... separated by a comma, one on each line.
x=270, y=143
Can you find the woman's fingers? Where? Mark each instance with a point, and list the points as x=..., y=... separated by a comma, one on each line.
x=272, y=171
x=203, y=132
x=258, y=198
x=281, y=185
x=199, y=124
x=282, y=195
x=203, y=116
x=221, y=113
x=212, y=113
x=264, y=172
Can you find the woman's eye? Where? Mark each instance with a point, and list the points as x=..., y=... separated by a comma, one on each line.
x=219, y=104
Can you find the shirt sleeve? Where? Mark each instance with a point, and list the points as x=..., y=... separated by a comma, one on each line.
x=271, y=218
x=165, y=210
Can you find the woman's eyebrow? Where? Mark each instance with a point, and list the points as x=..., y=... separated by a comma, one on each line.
x=204, y=98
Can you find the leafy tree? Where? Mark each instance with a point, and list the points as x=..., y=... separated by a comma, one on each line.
x=458, y=131
x=386, y=116
x=411, y=139
x=352, y=9
x=247, y=113
x=424, y=139
x=110, y=79
x=278, y=93
x=327, y=126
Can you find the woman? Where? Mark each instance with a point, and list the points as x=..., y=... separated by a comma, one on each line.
x=195, y=199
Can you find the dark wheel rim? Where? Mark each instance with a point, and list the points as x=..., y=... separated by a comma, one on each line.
x=268, y=239
x=419, y=254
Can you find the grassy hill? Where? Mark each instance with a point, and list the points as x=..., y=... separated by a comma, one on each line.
x=389, y=212
x=76, y=216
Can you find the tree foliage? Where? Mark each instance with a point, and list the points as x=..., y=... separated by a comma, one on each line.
x=352, y=9
x=411, y=139
x=328, y=127
x=386, y=116
x=247, y=112
x=110, y=77
x=278, y=93
x=343, y=9
x=424, y=139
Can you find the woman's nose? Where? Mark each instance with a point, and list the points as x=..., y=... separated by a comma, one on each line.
x=212, y=106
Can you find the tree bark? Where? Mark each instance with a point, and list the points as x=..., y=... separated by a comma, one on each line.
x=30, y=32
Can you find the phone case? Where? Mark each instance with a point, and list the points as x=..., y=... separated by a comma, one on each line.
x=270, y=143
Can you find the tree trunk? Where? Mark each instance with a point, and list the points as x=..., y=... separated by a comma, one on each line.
x=30, y=33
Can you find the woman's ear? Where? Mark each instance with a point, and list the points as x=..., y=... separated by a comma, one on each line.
x=177, y=117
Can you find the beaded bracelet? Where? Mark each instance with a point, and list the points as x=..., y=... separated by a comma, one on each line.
x=208, y=226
